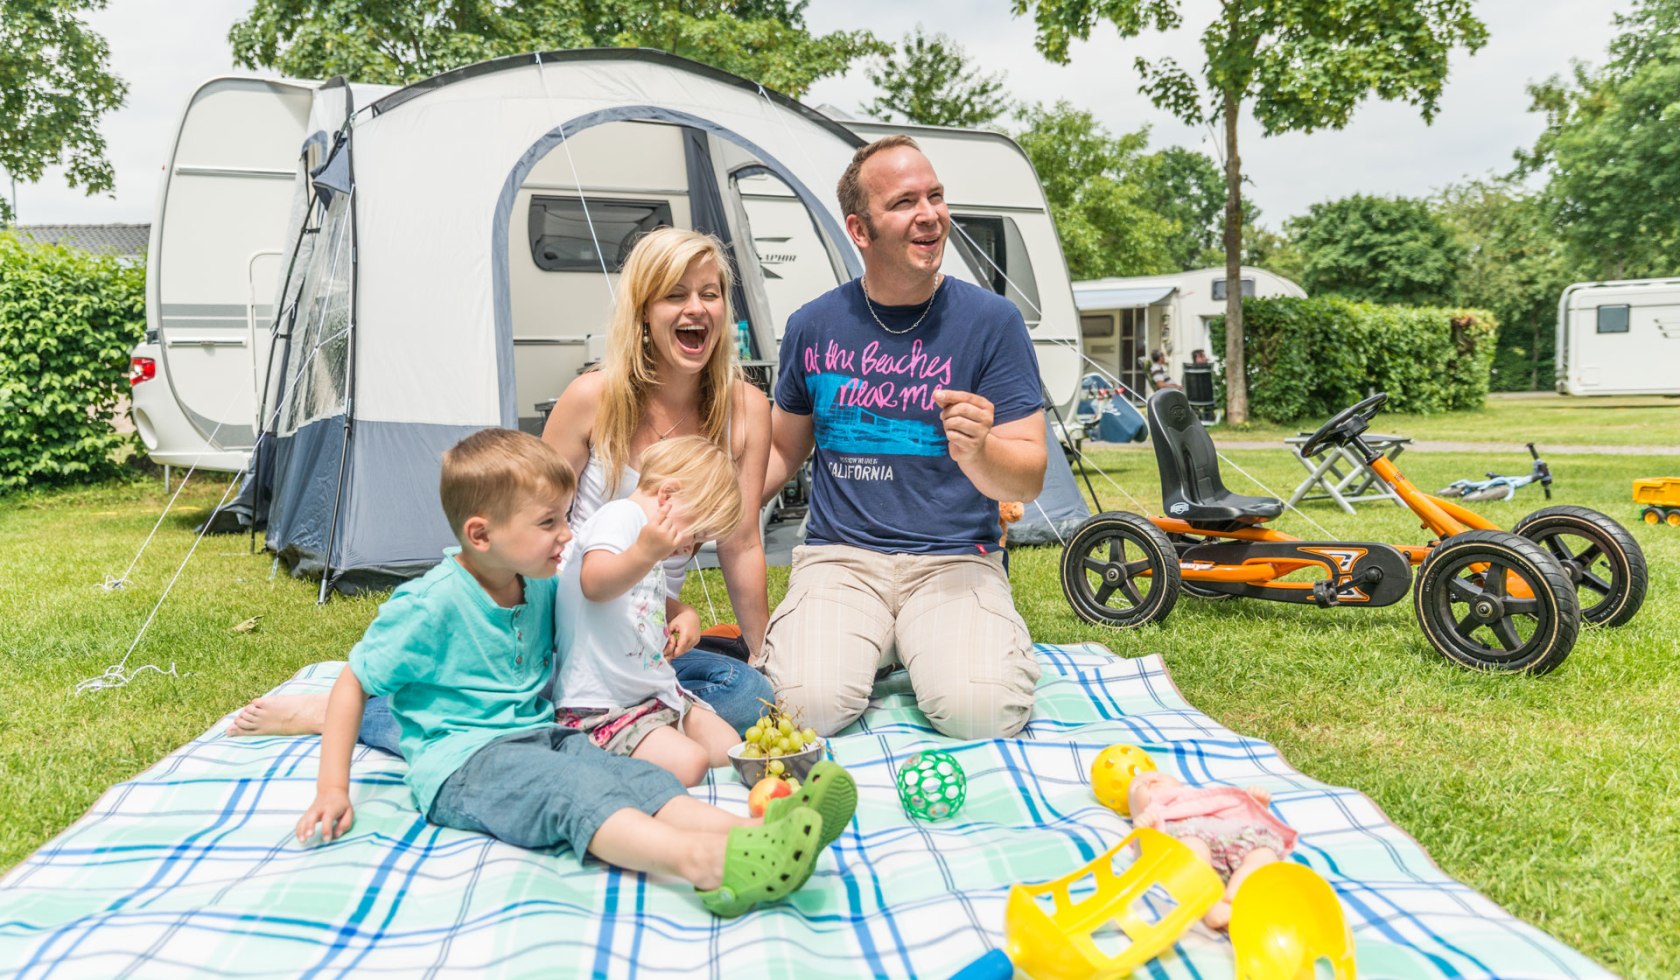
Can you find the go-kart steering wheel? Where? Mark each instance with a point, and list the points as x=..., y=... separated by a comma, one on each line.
x=1341, y=428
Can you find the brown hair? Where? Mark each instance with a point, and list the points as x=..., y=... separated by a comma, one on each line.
x=853, y=198
x=710, y=486
x=493, y=472
x=660, y=258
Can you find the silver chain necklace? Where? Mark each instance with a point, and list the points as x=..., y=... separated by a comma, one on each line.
x=864, y=285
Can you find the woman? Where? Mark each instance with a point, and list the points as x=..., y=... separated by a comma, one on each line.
x=669, y=370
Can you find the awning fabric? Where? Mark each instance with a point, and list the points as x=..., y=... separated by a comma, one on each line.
x=1120, y=299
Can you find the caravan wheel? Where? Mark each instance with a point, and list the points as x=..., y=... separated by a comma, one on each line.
x=1120, y=570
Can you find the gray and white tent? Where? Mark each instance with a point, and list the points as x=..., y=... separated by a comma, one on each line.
x=408, y=315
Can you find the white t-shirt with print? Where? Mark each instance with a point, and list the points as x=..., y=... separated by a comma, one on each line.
x=612, y=652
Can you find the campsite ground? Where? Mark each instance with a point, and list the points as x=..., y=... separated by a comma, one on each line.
x=1556, y=796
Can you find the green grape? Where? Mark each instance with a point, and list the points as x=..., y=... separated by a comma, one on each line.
x=784, y=746
x=785, y=726
x=752, y=752
x=796, y=742
x=775, y=768
x=810, y=735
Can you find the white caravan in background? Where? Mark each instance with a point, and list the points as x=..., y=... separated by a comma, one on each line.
x=230, y=187
x=1619, y=338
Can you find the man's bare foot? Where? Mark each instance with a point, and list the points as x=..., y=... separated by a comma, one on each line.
x=281, y=714
x=1218, y=918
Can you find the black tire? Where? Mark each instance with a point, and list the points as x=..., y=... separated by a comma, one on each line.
x=1120, y=570
x=1460, y=609
x=1600, y=557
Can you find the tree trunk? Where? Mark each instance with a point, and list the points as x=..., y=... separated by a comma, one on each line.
x=1236, y=377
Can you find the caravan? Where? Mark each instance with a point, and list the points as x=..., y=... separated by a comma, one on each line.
x=1619, y=338
x=449, y=259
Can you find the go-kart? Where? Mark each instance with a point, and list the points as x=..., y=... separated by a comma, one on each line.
x=1485, y=598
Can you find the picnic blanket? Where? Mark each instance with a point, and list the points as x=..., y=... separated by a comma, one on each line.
x=191, y=866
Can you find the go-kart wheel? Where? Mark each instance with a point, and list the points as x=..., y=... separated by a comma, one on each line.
x=1120, y=570
x=1341, y=425
x=1464, y=603
x=1598, y=554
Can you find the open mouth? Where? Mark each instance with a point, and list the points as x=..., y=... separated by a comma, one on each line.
x=691, y=337
x=928, y=243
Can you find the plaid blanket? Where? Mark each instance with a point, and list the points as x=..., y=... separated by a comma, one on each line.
x=191, y=866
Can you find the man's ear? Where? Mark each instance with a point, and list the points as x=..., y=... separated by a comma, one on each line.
x=475, y=533
x=857, y=231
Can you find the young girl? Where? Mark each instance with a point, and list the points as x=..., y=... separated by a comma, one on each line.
x=615, y=680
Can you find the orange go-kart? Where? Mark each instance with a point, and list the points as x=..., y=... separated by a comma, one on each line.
x=1486, y=598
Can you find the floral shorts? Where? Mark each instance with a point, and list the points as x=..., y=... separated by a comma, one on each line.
x=620, y=730
x=1228, y=841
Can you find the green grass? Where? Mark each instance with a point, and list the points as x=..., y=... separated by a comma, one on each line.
x=1544, y=419
x=1556, y=796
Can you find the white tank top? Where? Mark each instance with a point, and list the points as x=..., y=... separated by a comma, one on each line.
x=592, y=493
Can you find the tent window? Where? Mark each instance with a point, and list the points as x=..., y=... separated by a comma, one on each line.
x=561, y=238
x=994, y=246
x=1613, y=319
x=1219, y=289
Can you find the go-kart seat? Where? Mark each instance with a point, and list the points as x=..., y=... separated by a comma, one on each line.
x=1190, y=484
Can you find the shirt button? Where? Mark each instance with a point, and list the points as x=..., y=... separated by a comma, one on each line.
x=518, y=660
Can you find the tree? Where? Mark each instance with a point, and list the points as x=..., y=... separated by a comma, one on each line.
x=930, y=82
x=1106, y=226
x=1297, y=64
x=1514, y=266
x=1185, y=187
x=401, y=41
x=1381, y=249
x=1609, y=150
x=53, y=89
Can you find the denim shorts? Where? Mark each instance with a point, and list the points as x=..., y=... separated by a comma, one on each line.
x=548, y=787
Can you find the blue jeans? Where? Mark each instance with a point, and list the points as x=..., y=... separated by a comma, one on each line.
x=728, y=685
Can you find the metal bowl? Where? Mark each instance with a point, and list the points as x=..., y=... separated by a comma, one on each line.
x=798, y=763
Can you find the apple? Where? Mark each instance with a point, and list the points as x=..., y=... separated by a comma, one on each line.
x=765, y=790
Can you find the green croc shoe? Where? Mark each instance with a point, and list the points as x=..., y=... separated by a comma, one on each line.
x=830, y=791
x=766, y=864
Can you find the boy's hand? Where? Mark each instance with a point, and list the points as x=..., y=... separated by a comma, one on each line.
x=682, y=633
x=331, y=812
x=661, y=535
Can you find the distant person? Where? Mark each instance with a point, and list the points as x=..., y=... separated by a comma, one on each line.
x=1159, y=376
x=463, y=655
x=1199, y=357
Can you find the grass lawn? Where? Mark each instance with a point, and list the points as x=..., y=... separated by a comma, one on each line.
x=1543, y=419
x=1556, y=796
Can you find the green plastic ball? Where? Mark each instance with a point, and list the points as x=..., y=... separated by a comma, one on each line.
x=931, y=785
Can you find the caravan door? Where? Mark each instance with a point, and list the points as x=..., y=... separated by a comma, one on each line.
x=216, y=250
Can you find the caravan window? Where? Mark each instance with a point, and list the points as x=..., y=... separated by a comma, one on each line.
x=994, y=246
x=1219, y=289
x=1613, y=319
x=564, y=235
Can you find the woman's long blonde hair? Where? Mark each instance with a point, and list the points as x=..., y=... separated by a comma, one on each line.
x=658, y=260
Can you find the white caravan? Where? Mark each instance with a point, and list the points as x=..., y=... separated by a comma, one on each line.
x=230, y=189
x=1619, y=338
x=1121, y=320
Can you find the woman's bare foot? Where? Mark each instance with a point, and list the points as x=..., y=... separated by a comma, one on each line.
x=1218, y=918
x=281, y=714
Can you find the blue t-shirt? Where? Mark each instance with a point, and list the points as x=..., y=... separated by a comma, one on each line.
x=460, y=670
x=882, y=475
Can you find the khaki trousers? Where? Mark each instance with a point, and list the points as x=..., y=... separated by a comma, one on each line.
x=949, y=619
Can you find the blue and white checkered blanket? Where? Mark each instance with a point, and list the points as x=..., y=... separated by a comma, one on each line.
x=191, y=866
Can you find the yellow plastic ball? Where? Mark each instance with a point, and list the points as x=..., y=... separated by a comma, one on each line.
x=1112, y=772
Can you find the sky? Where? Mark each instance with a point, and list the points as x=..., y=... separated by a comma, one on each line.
x=165, y=48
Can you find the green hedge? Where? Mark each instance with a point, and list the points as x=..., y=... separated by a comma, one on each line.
x=68, y=320
x=1309, y=358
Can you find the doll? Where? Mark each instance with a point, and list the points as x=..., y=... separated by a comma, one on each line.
x=1231, y=829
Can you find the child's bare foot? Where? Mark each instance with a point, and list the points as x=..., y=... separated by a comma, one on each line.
x=281, y=714
x=1218, y=918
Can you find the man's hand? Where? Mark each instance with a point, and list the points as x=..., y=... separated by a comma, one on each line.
x=967, y=418
x=331, y=812
x=682, y=633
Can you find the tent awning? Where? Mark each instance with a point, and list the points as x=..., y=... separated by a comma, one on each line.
x=1120, y=299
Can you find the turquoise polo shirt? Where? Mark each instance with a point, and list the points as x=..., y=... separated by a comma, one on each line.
x=460, y=671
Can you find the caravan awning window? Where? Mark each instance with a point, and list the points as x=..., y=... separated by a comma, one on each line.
x=575, y=234
x=1613, y=319
x=994, y=247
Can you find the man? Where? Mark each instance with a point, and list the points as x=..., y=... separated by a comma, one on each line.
x=921, y=396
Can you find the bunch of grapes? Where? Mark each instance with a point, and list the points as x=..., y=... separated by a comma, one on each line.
x=776, y=734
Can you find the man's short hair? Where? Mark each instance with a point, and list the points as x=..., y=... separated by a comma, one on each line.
x=710, y=486
x=853, y=198
x=494, y=472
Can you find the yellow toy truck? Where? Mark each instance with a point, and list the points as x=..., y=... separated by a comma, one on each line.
x=1661, y=498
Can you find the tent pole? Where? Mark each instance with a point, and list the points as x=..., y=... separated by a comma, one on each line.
x=1077, y=455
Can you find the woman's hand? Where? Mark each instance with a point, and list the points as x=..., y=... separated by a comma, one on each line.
x=682, y=633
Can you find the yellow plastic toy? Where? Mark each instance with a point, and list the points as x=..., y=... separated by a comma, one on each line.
x=1059, y=945
x=1285, y=918
x=1661, y=497
x=1112, y=772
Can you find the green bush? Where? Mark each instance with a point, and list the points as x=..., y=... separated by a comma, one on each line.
x=1309, y=358
x=68, y=320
